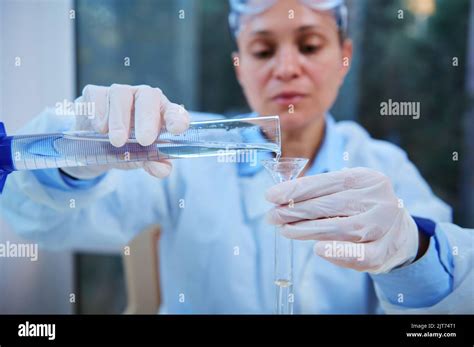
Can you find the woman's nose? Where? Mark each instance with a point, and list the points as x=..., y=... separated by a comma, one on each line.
x=288, y=65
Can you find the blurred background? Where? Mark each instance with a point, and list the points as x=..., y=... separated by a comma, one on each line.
x=184, y=46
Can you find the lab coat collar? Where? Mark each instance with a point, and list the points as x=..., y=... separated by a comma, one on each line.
x=330, y=156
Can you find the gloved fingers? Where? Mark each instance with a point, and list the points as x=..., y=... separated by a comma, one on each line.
x=356, y=256
x=342, y=204
x=159, y=169
x=324, y=184
x=147, y=114
x=324, y=229
x=92, y=171
x=119, y=113
x=130, y=165
x=353, y=229
x=175, y=116
x=83, y=121
x=98, y=97
x=379, y=254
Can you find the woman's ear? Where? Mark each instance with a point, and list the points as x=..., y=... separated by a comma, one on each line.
x=236, y=64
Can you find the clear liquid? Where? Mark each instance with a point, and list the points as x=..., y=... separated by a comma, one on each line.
x=55, y=151
x=283, y=283
x=285, y=297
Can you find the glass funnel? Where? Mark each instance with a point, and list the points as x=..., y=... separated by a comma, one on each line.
x=281, y=170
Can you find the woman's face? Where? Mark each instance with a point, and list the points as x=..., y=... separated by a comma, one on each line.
x=291, y=63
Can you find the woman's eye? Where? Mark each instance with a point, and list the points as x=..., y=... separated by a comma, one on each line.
x=263, y=54
x=309, y=49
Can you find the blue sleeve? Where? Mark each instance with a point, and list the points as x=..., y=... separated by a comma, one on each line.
x=426, y=281
x=54, y=178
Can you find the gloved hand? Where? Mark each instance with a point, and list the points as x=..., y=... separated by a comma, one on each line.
x=119, y=108
x=352, y=209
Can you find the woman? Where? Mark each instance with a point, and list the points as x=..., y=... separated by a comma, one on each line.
x=216, y=248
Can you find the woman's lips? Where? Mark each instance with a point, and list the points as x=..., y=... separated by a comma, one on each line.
x=288, y=98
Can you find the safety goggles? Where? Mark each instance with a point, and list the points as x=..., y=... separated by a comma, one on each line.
x=241, y=8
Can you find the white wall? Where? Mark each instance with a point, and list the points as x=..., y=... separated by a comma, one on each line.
x=41, y=33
